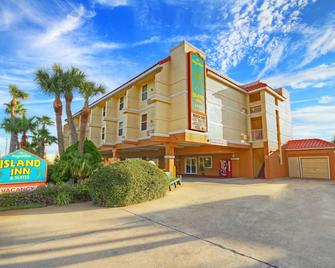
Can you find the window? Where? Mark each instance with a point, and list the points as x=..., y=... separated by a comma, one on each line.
x=191, y=165
x=103, y=133
x=120, y=130
x=205, y=161
x=144, y=92
x=104, y=111
x=121, y=103
x=255, y=97
x=144, y=122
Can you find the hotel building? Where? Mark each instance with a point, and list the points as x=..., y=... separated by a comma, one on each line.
x=193, y=120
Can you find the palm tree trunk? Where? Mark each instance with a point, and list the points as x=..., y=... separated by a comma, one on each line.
x=74, y=136
x=13, y=144
x=13, y=136
x=58, y=108
x=42, y=150
x=16, y=141
x=24, y=140
x=83, y=124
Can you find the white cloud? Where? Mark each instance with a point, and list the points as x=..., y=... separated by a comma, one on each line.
x=113, y=3
x=320, y=40
x=326, y=99
x=314, y=121
x=107, y=45
x=70, y=23
x=7, y=19
x=318, y=76
x=275, y=54
x=258, y=33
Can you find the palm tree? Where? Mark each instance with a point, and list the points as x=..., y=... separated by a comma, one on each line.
x=25, y=125
x=16, y=95
x=43, y=121
x=14, y=127
x=87, y=90
x=11, y=126
x=72, y=80
x=52, y=83
x=40, y=138
x=41, y=135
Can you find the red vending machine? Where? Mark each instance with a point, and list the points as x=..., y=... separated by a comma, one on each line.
x=225, y=168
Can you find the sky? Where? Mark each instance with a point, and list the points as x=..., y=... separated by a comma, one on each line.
x=285, y=43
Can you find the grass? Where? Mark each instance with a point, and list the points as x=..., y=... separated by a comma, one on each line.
x=34, y=205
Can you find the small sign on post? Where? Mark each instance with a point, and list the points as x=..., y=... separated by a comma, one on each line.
x=22, y=171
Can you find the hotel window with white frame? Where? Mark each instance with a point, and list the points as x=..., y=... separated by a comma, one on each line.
x=103, y=134
x=120, y=130
x=205, y=161
x=144, y=122
x=144, y=92
x=121, y=103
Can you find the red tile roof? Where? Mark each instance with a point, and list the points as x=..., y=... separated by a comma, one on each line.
x=254, y=85
x=309, y=144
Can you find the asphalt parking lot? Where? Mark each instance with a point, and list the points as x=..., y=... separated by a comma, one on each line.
x=204, y=223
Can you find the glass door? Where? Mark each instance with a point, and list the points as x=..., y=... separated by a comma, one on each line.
x=191, y=165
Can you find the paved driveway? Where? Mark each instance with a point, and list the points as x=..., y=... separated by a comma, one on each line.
x=205, y=223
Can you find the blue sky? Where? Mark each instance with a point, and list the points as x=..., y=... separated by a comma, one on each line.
x=286, y=43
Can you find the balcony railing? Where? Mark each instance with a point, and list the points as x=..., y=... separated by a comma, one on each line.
x=257, y=134
x=255, y=109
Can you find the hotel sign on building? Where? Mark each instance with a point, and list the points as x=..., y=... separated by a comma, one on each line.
x=197, y=93
x=22, y=171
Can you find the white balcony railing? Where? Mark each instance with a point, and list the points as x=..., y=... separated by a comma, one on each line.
x=257, y=134
x=255, y=109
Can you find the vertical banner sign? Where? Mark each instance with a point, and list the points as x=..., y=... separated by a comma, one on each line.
x=197, y=92
x=22, y=171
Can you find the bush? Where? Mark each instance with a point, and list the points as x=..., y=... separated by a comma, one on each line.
x=127, y=182
x=60, y=194
x=63, y=198
x=81, y=191
x=51, y=169
x=72, y=165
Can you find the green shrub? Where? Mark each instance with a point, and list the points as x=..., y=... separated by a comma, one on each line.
x=81, y=191
x=60, y=194
x=63, y=198
x=72, y=165
x=51, y=169
x=127, y=182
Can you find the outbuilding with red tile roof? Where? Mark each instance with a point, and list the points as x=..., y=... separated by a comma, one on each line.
x=311, y=158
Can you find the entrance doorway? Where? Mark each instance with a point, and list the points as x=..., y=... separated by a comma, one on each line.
x=191, y=165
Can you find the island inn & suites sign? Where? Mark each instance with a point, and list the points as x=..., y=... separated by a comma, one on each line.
x=22, y=171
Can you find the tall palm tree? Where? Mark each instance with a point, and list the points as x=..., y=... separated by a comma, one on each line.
x=52, y=84
x=11, y=127
x=87, y=90
x=72, y=80
x=16, y=94
x=19, y=109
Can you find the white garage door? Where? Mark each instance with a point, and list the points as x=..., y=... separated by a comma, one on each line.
x=315, y=168
x=309, y=167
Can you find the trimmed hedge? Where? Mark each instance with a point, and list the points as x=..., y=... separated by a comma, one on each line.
x=61, y=194
x=127, y=182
